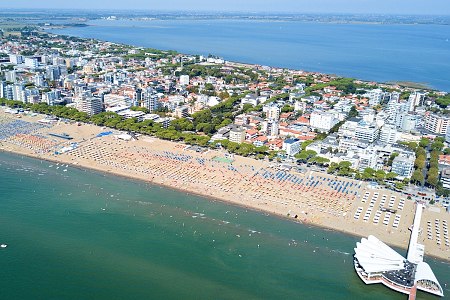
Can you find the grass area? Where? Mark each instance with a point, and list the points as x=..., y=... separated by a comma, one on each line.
x=416, y=85
x=223, y=159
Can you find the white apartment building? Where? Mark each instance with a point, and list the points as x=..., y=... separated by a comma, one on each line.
x=348, y=129
x=18, y=92
x=367, y=159
x=375, y=96
x=323, y=121
x=16, y=59
x=212, y=101
x=416, y=99
x=237, y=135
x=6, y=90
x=445, y=178
x=31, y=62
x=150, y=100
x=367, y=132
x=437, y=123
x=300, y=106
x=403, y=165
x=111, y=100
x=389, y=134
x=368, y=115
x=272, y=112
x=89, y=105
x=184, y=79
x=11, y=76
x=39, y=80
x=51, y=97
x=253, y=99
x=291, y=146
x=270, y=127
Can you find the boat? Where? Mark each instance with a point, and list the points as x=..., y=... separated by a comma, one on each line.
x=3, y=246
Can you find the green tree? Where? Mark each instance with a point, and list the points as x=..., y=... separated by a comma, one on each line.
x=391, y=158
x=433, y=177
x=437, y=145
x=380, y=175
x=391, y=176
x=424, y=142
x=417, y=177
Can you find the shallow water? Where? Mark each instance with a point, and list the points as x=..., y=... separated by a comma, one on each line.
x=86, y=235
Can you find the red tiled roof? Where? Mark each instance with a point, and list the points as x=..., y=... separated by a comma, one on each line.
x=444, y=159
x=303, y=120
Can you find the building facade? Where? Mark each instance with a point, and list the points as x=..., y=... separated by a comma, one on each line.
x=90, y=105
x=323, y=121
x=291, y=146
x=403, y=166
x=437, y=123
x=237, y=135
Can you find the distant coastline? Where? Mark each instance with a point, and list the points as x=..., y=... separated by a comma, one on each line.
x=358, y=55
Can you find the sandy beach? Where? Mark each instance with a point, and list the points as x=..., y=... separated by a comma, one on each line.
x=316, y=198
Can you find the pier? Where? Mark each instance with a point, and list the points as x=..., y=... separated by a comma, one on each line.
x=376, y=262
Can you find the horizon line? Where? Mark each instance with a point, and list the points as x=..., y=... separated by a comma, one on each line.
x=222, y=11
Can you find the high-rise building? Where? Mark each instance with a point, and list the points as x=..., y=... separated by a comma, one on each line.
x=445, y=178
x=3, y=86
x=237, y=135
x=18, y=94
x=39, y=80
x=53, y=73
x=51, y=97
x=367, y=132
x=388, y=134
x=90, y=105
x=403, y=166
x=273, y=112
x=447, y=135
x=111, y=100
x=437, y=123
x=271, y=127
x=31, y=62
x=6, y=91
x=16, y=59
x=11, y=76
x=416, y=99
x=150, y=100
x=323, y=121
x=376, y=96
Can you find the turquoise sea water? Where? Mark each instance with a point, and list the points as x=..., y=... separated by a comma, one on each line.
x=80, y=234
x=378, y=52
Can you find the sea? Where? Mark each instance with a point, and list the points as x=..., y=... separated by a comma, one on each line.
x=74, y=233
x=376, y=52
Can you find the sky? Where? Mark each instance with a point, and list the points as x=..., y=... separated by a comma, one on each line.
x=441, y=7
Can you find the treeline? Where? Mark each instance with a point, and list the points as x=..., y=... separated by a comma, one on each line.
x=346, y=85
x=179, y=130
x=426, y=172
x=240, y=75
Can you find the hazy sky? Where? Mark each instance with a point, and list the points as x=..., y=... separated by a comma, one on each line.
x=315, y=6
